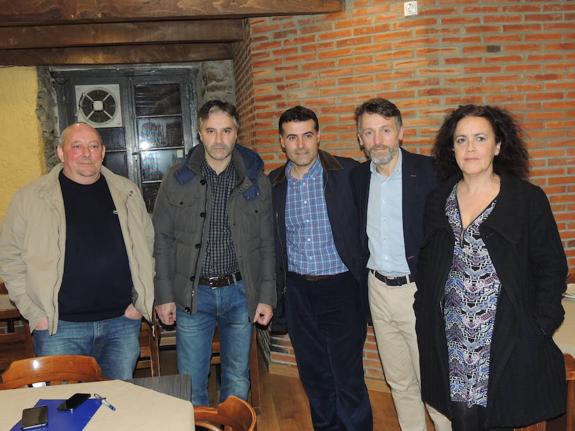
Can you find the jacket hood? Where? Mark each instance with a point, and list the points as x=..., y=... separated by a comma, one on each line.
x=247, y=162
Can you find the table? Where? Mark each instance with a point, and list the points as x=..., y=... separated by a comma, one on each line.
x=137, y=408
x=565, y=336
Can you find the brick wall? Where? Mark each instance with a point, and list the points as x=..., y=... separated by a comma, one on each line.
x=518, y=54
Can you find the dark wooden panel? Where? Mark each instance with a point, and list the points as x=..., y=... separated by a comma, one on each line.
x=128, y=54
x=34, y=12
x=53, y=36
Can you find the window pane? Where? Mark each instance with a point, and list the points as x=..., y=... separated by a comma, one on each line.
x=160, y=132
x=156, y=163
x=117, y=163
x=158, y=99
x=113, y=138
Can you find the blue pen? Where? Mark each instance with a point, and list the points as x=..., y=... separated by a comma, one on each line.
x=104, y=401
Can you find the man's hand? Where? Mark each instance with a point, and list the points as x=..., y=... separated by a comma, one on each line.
x=132, y=313
x=264, y=313
x=167, y=313
x=42, y=324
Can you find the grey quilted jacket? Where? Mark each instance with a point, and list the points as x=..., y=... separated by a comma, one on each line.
x=181, y=220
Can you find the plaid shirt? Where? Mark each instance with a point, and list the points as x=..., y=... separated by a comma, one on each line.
x=220, y=258
x=310, y=246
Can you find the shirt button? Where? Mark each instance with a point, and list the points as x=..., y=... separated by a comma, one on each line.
x=305, y=202
x=309, y=239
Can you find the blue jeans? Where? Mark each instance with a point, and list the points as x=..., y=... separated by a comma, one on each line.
x=114, y=343
x=226, y=306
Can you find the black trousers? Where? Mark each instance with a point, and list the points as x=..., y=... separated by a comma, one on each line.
x=472, y=418
x=327, y=330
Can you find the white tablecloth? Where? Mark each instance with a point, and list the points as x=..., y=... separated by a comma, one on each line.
x=137, y=408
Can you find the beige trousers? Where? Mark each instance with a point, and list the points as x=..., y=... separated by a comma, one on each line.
x=394, y=326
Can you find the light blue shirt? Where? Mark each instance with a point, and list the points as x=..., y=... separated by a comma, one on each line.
x=309, y=239
x=385, y=223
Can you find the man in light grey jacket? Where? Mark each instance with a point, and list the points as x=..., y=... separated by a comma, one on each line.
x=76, y=257
x=214, y=252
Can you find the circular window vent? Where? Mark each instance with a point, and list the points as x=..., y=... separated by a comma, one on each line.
x=99, y=106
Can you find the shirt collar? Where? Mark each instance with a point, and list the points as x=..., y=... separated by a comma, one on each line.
x=314, y=171
x=209, y=171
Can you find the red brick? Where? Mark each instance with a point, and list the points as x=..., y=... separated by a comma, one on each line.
x=335, y=35
x=543, y=17
x=522, y=28
x=483, y=29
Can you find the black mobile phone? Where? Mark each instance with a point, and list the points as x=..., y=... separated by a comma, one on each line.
x=73, y=402
x=34, y=417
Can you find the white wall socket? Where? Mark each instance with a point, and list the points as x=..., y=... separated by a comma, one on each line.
x=409, y=8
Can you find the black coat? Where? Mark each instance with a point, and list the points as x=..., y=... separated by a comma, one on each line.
x=342, y=216
x=527, y=375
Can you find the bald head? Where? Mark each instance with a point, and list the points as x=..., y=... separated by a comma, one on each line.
x=81, y=151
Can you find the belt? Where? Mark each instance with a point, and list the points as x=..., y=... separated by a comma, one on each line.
x=309, y=277
x=393, y=281
x=221, y=281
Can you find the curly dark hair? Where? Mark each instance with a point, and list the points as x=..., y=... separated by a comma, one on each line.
x=513, y=157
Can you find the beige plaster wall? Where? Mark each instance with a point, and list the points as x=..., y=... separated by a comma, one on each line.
x=21, y=147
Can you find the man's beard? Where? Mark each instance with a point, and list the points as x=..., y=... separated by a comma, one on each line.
x=382, y=157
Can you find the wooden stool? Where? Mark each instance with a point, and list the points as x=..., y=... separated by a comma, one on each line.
x=150, y=347
x=16, y=339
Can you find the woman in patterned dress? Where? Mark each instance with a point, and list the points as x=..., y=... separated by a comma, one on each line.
x=491, y=274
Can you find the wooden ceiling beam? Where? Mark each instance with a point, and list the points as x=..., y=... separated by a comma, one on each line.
x=46, y=12
x=71, y=35
x=127, y=54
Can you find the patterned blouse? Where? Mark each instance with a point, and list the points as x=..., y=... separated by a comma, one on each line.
x=470, y=302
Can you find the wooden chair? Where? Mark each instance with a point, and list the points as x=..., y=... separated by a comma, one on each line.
x=150, y=347
x=255, y=387
x=234, y=414
x=567, y=421
x=570, y=415
x=15, y=339
x=53, y=370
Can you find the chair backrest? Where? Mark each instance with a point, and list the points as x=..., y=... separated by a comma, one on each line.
x=234, y=414
x=150, y=347
x=53, y=370
x=570, y=370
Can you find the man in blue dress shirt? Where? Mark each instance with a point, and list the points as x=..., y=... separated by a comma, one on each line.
x=319, y=267
x=391, y=190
